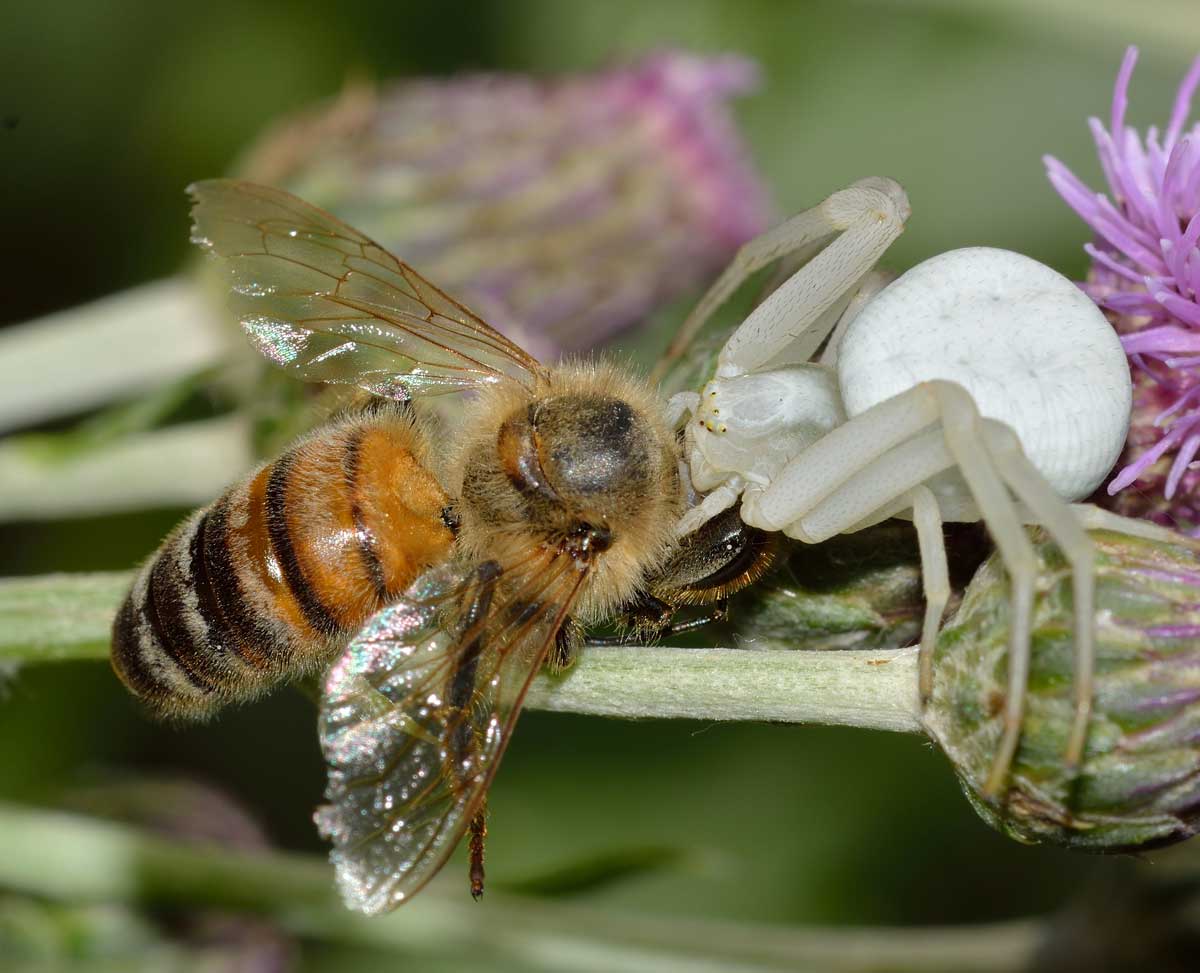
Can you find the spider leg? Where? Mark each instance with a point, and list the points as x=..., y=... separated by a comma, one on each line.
x=935, y=579
x=679, y=405
x=804, y=231
x=865, y=217
x=957, y=440
x=865, y=465
x=812, y=497
x=1053, y=513
x=1092, y=517
x=964, y=433
x=716, y=501
x=868, y=287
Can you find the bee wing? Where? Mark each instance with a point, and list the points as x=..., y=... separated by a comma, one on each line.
x=416, y=715
x=328, y=304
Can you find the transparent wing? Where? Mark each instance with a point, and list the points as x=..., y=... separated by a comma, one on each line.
x=416, y=715
x=328, y=304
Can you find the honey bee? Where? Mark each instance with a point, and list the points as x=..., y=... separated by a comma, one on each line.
x=465, y=560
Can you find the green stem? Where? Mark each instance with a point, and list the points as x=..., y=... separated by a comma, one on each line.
x=68, y=616
x=59, y=617
x=180, y=466
x=73, y=858
x=872, y=689
x=106, y=350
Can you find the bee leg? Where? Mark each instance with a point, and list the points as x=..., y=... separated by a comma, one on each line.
x=719, y=612
x=642, y=618
x=611, y=640
x=651, y=619
x=567, y=641
x=478, y=837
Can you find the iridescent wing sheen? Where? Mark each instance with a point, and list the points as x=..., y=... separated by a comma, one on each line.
x=416, y=715
x=328, y=304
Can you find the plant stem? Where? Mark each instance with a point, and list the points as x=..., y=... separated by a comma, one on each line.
x=179, y=466
x=109, y=349
x=73, y=858
x=59, y=617
x=68, y=616
x=872, y=689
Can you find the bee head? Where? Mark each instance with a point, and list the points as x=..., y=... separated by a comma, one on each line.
x=584, y=466
x=579, y=462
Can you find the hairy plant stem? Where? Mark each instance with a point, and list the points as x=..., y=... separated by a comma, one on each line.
x=68, y=616
x=179, y=466
x=68, y=857
x=82, y=357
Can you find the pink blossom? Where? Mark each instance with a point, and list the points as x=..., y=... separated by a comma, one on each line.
x=562, y=209
x=1146, y=274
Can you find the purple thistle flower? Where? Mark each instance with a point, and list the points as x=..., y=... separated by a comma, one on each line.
x=1146, y=274
x=562, y=210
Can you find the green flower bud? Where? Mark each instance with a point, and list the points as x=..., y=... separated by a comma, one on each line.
x=1139, y=783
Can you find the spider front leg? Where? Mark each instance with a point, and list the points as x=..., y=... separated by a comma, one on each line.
x=868, y=287
x=716, y=501
x=679, y=405
x=865, y=218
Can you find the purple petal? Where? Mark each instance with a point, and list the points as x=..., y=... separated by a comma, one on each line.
x=1132, y=303
x=1179, y=426
x=1121, y=90
x=1183, y=102
x=1167, y=338
x=1180, y=466
x=1116, y=267
x=1072, y=189
x=1183, y=309
x=1138, y=466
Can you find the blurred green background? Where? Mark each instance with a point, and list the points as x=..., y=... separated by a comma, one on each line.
x=110, y=108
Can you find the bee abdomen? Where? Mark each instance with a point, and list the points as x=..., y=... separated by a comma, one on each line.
x=270, y=579
x=172, y=643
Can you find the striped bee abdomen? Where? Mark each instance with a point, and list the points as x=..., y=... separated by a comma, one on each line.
x=270, y=580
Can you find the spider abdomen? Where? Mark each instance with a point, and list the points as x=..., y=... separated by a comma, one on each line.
x=1030, y=348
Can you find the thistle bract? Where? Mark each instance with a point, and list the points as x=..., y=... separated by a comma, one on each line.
x=1139, y=783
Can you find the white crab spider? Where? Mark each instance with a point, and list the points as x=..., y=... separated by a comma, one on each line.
x=979, y=385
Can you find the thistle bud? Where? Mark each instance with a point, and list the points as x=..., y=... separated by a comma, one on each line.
x=1139, y=783
x=562, y=211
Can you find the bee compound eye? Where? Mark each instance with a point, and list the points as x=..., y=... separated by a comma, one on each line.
x=594, y=446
